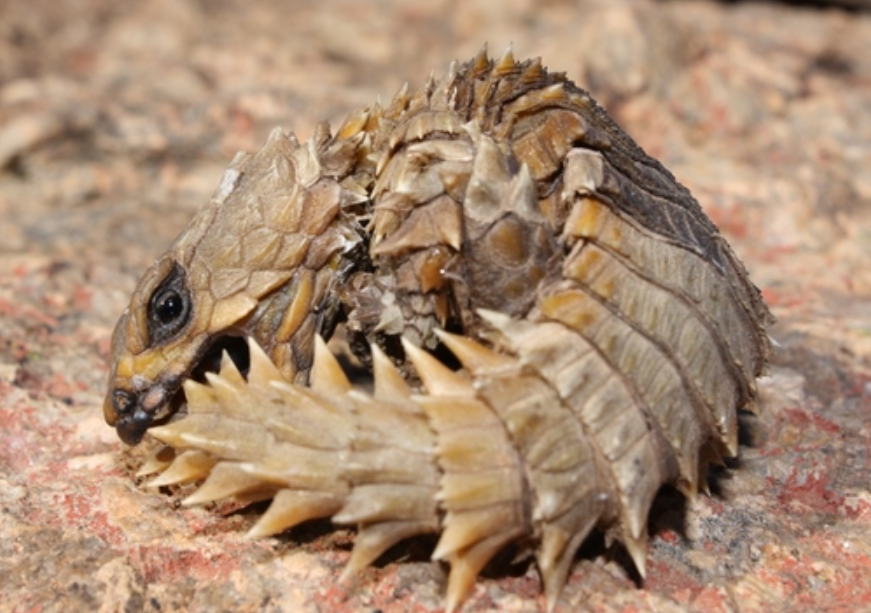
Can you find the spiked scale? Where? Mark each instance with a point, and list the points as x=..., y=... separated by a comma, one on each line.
x=605, y=333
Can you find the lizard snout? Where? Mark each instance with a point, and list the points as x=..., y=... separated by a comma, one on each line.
x=125, y=411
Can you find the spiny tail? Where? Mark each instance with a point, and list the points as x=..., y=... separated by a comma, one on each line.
x=486, y=456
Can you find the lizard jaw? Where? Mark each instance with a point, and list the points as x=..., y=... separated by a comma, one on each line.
x=134, y=412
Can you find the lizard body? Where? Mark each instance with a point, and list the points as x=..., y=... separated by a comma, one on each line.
x=500, y=205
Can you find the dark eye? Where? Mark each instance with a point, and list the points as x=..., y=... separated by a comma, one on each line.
x=170, y=307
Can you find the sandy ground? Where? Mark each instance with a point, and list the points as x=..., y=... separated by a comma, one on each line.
x=116, y=120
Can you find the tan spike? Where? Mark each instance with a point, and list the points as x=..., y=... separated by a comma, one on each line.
x=463, y=529
x=438, y=379
x=689, y=487
x=158, y=462
x=381, y=160
x=553, y=93
x=226, y=437
x=376, y=114
x=499, y=321
x=228, y=371
x=303, y=397
x=637, y=548
x=450, y=90
x=190, y=466
x=389, y=384
x=634, y=513
x=481, y=61
x=275, y=136
x=555, y=556
x=708, y=455
x=354, y=124
x=229, y=396
x=452, y=72
x=327, y=376
x=439, y=222
x=262, y=370
x=307, y=160
x=200, y=398
x=400, y=100
x=704, y=487
x=506, y=64
x=292, y=507
x=476, y=358
x=688, y=483
x=388, y=215
x=372, y=541
x=466, y=564
x=533, y=71
x=321, y=135
x=731, y=442
x=171, y=434
x=504, y=329
x=226, y=479
x=430, y=85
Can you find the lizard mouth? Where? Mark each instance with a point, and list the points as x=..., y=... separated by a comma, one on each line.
x=234, y=346
x=166, y=401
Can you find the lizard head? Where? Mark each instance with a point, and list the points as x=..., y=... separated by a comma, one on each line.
x=157, y=342
x=262, y=251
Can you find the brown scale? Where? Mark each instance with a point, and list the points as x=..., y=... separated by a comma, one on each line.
x=605, y=332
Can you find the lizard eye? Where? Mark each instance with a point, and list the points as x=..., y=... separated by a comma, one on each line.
x=170, y=307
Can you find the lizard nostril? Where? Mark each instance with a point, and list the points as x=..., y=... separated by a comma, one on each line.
x=123, y=401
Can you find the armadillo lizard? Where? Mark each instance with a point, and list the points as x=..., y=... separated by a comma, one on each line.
x=596, y=333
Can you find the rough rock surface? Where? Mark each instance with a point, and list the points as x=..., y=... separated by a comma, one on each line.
x=115, y=125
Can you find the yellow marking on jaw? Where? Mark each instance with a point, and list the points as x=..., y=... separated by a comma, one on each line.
x=125, y=367
x=152, y=364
